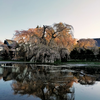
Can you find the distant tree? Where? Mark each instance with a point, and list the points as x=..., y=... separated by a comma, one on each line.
x=89, y=55
x=98, y=55
x=87, y=44
x=74, y=54
x=37, y=26
x=82, y=54
x=1, y=42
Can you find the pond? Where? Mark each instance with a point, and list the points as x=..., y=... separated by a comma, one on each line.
x=49, y=82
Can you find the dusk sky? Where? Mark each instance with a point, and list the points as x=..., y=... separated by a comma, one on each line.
x=83, y=15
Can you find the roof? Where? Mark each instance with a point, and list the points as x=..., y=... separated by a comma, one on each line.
x=98, y=41
x=11, y=43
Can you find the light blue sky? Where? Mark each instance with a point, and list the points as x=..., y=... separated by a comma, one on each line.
x=83, y=15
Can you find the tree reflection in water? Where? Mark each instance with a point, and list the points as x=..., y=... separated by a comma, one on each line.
x=40, y=82
x=47, y=82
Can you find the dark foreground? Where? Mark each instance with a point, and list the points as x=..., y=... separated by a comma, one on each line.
x=49, y=82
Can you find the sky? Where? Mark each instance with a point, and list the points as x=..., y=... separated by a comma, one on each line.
x=83, y=15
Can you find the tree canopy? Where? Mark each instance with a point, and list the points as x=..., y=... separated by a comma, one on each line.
x=86, y=43
x=57, y=35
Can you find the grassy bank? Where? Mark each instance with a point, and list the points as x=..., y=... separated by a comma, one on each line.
x=55, y=63
x=84, y=62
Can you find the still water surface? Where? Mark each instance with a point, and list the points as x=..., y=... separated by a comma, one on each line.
x=49, y=82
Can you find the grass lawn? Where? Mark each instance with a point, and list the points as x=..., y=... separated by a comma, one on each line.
x=84, y=62
x=92, y=63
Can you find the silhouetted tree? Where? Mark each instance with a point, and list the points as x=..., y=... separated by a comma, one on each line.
x=98, y=55
x=89, y=55
x=74, y=54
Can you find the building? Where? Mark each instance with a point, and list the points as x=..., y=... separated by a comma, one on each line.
x=4, y=50
x=98, y=41
x=12, y=46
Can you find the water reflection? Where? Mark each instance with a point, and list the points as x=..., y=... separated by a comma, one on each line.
x=48, y=82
